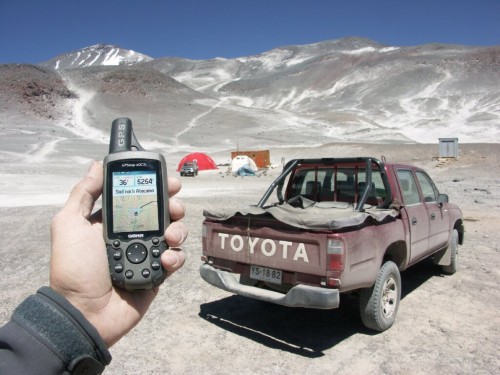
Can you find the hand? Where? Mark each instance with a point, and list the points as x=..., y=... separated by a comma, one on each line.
x=79, y=265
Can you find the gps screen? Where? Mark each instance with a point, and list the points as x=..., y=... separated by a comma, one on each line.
x=135, y=201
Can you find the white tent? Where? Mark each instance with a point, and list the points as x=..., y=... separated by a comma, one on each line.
x=241, y=160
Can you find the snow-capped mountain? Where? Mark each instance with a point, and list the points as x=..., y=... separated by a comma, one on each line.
x=345, y=90
x=96, y=55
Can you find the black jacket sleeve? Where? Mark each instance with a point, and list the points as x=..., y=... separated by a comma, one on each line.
x=48, y=335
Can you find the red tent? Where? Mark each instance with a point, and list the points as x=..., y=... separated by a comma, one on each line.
x=203, y=160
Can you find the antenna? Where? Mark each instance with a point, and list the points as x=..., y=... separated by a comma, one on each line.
x=123, y=137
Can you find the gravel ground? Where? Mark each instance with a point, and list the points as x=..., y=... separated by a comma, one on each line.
x=445, y=324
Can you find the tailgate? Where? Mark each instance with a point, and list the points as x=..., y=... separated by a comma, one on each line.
x=286, y=249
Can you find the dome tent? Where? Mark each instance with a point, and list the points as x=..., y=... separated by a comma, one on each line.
x=203, y=160
x=243, y=160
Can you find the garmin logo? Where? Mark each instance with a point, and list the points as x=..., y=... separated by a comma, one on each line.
x=138, y=235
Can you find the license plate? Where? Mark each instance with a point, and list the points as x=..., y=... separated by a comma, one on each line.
x=266, y=274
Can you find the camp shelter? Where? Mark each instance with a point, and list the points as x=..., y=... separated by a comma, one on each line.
x=242, y=160
x=245, y=170
x=261, y=158
x=203, y=160
x=448, y=148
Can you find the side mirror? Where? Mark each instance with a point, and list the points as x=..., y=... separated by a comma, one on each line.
x=443, y=198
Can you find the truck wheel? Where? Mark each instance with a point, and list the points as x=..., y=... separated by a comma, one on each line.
x=452, y=268
x=379, y=304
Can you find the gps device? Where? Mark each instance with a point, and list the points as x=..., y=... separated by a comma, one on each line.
x=135, y=210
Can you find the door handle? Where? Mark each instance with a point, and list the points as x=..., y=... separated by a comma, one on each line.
x=433, y=216
x=414, y=221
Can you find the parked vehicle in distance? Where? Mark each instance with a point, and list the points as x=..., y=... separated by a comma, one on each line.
x=346, y=225
x=190, y=168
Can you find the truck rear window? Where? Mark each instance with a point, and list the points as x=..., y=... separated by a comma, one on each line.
x=337, y=184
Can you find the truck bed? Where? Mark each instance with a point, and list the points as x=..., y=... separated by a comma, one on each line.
x=310, y=215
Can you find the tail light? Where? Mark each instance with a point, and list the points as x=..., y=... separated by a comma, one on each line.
x=335, y=251
x=335, y=256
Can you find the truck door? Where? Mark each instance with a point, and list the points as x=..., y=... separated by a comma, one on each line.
x=417, y=215
x=439, y=217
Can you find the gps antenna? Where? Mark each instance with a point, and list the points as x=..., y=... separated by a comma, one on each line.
x=122, y=137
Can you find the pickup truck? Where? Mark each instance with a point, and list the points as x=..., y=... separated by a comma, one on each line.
x=339, y=225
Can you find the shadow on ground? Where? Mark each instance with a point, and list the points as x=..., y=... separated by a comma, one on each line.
x=305, y=332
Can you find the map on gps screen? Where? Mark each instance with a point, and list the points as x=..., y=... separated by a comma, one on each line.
x=135, y=207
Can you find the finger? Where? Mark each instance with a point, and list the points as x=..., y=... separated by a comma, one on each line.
x=87, y=191
x=174, y=185
x=172, y=260
x=176, y=209
x=176, y=234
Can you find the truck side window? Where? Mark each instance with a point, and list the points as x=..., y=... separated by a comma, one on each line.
x=408, y=187
x=428, y=189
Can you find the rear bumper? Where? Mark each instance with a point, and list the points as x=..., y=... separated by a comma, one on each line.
x=299, y=296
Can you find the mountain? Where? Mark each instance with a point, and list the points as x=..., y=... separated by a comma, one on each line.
x=421, y=92
x=96, y=55
x=345, y=90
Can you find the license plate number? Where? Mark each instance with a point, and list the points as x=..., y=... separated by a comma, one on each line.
x=266, y=274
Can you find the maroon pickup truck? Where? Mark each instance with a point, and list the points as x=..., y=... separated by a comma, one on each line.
x=339, y=225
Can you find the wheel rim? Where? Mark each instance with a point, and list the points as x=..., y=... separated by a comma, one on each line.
x=389, y=299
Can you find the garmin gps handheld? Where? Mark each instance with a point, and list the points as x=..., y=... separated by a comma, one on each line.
x=135, y=210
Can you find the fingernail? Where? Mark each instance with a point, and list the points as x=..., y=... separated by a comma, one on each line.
x=180, y=236
x=171, y=259
x=92, y=166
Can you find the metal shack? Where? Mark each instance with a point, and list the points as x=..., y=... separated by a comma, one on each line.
x=448, y=147
x=261, y=158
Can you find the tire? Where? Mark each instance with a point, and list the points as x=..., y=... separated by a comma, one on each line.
x=379, y=304
x=452, y=268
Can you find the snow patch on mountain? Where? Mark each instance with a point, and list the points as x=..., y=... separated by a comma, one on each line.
x=96, y=55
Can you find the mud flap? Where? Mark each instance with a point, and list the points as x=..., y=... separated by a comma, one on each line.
x=443, y=257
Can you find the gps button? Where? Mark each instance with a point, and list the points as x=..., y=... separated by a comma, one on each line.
x=118, y=267
x=117, y=254
x=136, y=253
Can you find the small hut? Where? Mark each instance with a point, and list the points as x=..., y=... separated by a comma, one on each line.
x=448, y=148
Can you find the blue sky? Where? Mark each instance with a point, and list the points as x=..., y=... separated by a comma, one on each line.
x=32, y=31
